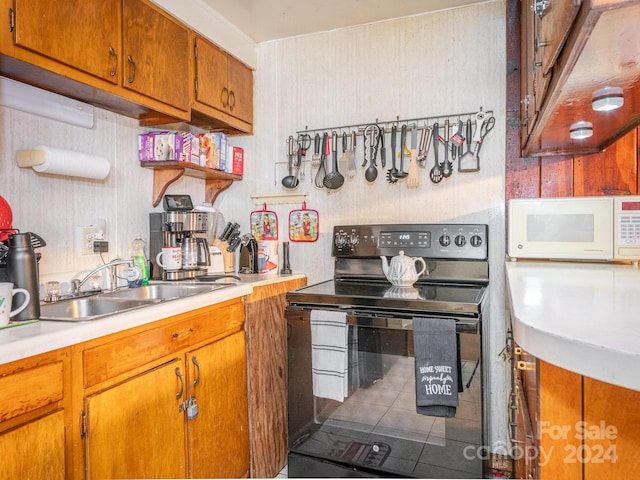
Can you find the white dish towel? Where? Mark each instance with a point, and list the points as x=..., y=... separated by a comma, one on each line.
x=329, y=359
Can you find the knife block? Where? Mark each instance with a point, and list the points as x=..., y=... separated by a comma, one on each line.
x=229, y=258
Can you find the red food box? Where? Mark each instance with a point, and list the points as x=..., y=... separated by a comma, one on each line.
x=235, y=160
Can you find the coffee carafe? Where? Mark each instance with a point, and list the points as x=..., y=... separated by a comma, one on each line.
x=195, y=253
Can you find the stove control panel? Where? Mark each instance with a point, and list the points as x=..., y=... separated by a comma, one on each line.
x=453, y=241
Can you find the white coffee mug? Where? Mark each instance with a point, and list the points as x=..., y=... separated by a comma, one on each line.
x=6, y=299
x=172, y=257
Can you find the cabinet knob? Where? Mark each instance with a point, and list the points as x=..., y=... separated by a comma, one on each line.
x=179, y=375
x=225, y=97
x=132, y=64
x=194, y=360
x=114, y=55
x=232, y=100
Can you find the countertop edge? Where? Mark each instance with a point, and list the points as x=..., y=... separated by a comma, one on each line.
x=585, y=358
x=36, y=338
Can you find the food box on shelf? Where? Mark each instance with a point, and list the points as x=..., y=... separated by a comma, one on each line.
x=235, y=160
x=168, y=145
x=213, y=150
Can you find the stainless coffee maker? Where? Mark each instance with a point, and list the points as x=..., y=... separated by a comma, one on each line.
x=179, y=226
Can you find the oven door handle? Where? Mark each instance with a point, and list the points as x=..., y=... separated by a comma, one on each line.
x=463, y=325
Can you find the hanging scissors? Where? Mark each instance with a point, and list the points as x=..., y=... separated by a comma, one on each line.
x=487, y=126
x=304, y=142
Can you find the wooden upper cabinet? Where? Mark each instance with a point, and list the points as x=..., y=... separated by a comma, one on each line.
x=84, y=34
x=554, y=21
x=586, y=48
x=240, y=90
x=127, y=56
x=224, y=84
x=156, y=54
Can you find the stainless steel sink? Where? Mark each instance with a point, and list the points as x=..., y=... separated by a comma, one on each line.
x=97, y=306
x=89, y=308
x=162, y=291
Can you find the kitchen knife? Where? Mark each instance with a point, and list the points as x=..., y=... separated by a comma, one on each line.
x=233, y=244
x=226, y=232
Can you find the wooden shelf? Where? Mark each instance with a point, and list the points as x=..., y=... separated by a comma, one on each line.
x=167, y=172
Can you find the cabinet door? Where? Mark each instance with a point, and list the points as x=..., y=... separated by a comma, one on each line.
x=611, y=428
x=84, y=34
x=135, y=429
x=555, y=21
x=35, y=450
x=560, y=411
x=211, y=75
x=240, y=90
x=219, y=435
x=156, y=54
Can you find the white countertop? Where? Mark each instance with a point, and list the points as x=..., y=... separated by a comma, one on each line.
x=26, y=340
x=583, y=317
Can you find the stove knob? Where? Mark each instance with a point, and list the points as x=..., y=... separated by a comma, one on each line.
x=445, y=240
x=340, y=240
x=460, y=240
x=354, y=240
x=476, y=240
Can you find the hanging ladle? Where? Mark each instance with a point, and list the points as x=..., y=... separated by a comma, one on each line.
x=290, y=181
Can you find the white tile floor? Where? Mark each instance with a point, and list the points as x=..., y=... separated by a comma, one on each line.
x=385, y=412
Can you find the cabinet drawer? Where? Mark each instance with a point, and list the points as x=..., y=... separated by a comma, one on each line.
x=27, y=385
x=124, y=354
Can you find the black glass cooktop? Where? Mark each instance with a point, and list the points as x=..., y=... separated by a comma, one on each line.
x=422, y=298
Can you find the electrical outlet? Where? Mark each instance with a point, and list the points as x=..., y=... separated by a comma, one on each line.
x=100, y=246
x=86, y=236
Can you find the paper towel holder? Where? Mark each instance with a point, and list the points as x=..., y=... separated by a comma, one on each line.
x=37, y=157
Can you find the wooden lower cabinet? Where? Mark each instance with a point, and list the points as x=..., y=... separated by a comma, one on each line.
x=35, y=450
x=560, y=407
x=218, y=438
x=137, y=387
x=135, y=429
x=33, y=421
x=581, y=428
x=267, y=344
x=611, y=430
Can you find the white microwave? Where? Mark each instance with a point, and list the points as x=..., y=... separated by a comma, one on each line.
x=575, y=228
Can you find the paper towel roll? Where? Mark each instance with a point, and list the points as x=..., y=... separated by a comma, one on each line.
x=56, y=161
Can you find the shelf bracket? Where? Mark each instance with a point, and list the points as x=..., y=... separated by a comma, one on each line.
x=214, y=187
x=162, y=178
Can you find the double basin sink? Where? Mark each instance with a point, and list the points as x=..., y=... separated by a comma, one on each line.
x=92, y=307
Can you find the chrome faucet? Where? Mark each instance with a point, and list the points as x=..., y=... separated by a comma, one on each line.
x=77, y=283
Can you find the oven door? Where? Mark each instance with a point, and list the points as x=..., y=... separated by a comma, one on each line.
x=375, y=430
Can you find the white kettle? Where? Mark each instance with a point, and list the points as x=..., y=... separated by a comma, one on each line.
x=401, y=271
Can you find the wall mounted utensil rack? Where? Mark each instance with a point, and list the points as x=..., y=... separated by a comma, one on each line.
x=461, y=136
x=397, y=122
